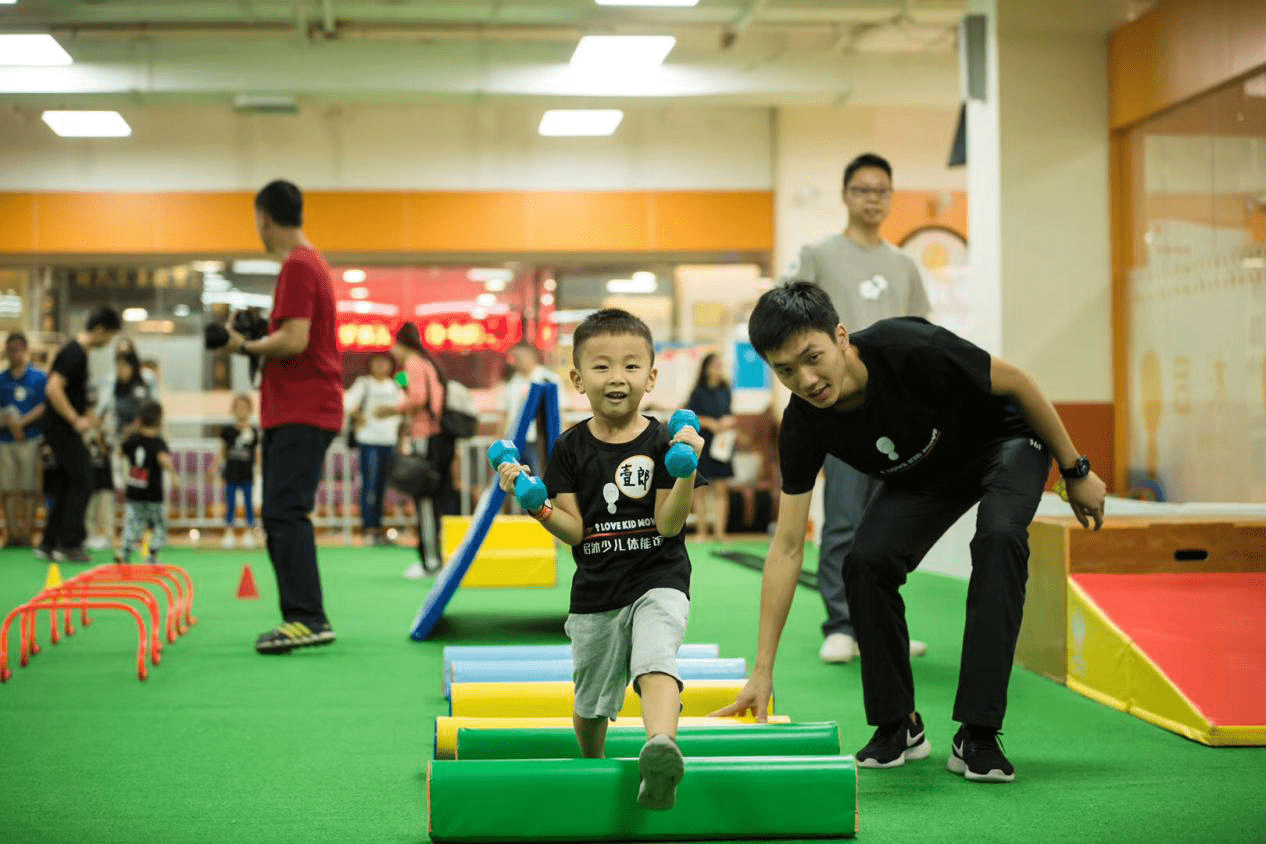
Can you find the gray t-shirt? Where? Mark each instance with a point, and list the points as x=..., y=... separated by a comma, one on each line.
x=865, y=283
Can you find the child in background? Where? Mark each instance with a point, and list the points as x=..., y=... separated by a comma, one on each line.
x=102, y=503
x=147, y=459
x=621, y=511
x=238, y=453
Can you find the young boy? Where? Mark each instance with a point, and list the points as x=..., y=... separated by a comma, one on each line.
x=239, y=446
x=616, y=505
x=945, y=426
x=147, y=458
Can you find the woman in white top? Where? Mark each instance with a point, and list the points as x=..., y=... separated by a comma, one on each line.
x=376, y=438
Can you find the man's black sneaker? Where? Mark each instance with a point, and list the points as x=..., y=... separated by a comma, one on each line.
x=289, y=635
x=978, y=756
x=892, y=747
x=71, y=555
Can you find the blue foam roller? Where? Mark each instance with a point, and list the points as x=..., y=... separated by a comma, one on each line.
x=532, y=670
x=467, y=653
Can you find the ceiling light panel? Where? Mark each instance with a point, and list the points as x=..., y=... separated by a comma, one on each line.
x=627, y=52
x=32, y=50
x=584, y=122
x=87, y=124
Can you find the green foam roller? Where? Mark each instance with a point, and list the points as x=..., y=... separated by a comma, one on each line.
x=721, y=797
x=810, y=739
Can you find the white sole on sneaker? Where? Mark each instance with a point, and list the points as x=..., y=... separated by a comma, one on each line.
x=661, y=766
x=920, y=751
x=958, y=765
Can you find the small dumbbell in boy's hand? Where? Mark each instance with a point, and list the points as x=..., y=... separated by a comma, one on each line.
x=686, y=445
x=528, y=489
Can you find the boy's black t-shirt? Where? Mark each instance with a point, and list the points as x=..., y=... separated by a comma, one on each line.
x=71, y=363
x=622, y=554
x=144, y=474
x=927, y=414
x=239, y=468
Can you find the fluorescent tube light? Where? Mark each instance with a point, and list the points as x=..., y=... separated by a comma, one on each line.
x=256, y=266
x=580, y=122
x=354, y=276
x=32, y=50
x=622, y=52
x=87, y=124
x=633, y=285
x=681, y=3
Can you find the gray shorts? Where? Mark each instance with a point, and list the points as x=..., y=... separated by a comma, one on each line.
x=610, y=648
x=20, y=466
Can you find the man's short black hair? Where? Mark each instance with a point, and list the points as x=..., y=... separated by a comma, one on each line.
x=609, y=321
x=786, y=311
x=104, y=316
x=18, y=336
x=150, y=413
x=282, y=201
x=866, y=159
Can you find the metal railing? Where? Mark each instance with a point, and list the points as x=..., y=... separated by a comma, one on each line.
x=197, y=501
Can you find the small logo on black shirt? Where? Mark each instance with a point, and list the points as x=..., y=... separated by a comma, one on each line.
x=887, y=448
x=633, y=476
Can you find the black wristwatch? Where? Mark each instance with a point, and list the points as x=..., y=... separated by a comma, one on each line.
x=1079, y=469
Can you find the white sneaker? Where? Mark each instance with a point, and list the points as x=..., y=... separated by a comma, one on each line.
x=230, y=540
x=415, y=571
x=97, y=543
x=838, y=647
x=248, y=539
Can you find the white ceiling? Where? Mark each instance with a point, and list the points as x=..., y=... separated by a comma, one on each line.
x=735, y=52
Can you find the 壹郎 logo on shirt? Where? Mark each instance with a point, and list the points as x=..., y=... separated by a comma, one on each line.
x=633, y=476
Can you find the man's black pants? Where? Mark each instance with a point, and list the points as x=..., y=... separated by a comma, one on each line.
x=70, y=488
x=293, y=457
x=899, y=528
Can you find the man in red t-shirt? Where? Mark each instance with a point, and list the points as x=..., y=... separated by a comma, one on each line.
x=300, y=409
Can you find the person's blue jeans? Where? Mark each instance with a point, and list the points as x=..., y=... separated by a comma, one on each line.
x=375, y=468
x=230, y=502
x=293, y=459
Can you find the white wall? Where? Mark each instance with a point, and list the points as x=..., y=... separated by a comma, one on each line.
x=1054, y=221
x=493, y=146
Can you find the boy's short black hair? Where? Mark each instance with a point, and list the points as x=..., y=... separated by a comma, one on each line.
x=282, y=201
x=104, y=316
x=150, y=414
x=866, y=159
x=18, y=336
x=609, y=321
x=787, y=310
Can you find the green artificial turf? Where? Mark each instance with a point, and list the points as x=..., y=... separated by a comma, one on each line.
x=329, y=745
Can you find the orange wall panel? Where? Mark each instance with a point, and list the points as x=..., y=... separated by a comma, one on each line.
x=1179, y=49
x=386, y=222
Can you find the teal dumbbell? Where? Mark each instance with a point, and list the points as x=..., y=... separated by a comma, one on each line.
x=529, y=490
x=681, y=460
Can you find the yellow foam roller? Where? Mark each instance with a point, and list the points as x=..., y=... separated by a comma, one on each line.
x=555, y=699
x=446, y=726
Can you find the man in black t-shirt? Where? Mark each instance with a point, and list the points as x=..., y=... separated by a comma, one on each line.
x=945, y=425
x=64, y=426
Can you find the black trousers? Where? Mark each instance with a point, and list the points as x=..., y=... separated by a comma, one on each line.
x=69, y=490
x=293, y=457
x=899, y=528
x=441, y=450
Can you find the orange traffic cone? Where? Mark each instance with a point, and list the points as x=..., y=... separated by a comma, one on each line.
x=246, y=586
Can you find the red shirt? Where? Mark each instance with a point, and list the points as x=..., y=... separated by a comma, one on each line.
x=306, y=389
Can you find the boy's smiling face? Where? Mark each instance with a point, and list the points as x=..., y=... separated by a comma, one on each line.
x=615, y=371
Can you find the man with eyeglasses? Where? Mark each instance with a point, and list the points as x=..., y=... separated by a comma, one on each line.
x=868, y=279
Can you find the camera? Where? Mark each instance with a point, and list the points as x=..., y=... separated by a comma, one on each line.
x=250, y=323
